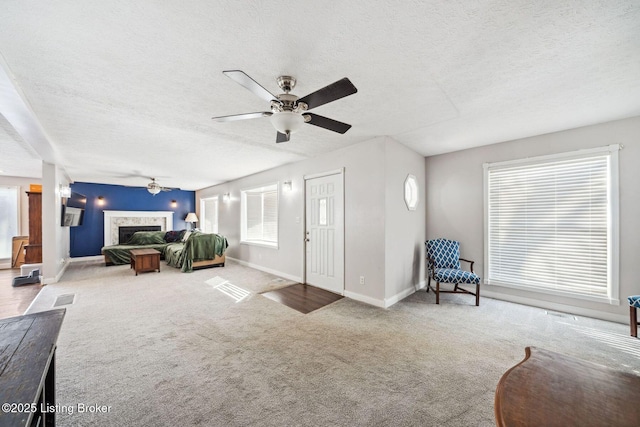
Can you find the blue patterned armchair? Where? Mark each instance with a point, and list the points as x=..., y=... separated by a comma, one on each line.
x=443, y=257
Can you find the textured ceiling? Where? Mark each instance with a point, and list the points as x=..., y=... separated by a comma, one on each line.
x=126, y=91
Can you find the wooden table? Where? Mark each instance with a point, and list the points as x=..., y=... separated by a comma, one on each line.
x=551, y=389
x=145, y=260
x=27, y=368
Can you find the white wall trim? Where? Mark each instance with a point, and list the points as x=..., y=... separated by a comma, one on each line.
x=326, y=173
x=388, y=302
x=363, y=298
x=91, y=258
x=613, y=148
x=56, y=279
x=267, y=270
x=618, y=318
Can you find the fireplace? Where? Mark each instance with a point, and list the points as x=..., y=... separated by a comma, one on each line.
x=114, y=220
x=125, y=233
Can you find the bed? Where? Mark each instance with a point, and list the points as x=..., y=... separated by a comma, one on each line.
x=200, y=250
x=184, y=250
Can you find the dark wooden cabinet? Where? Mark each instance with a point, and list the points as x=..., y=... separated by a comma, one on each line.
x=33, y=251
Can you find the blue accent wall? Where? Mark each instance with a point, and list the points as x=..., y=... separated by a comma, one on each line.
x=87, y=239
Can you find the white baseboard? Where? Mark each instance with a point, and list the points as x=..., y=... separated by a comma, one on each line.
x=611, y=317
x=353, y=295
x=364, y=298
x=267, y=270
x=50, y=280
x=91, y=258
x=388, y=302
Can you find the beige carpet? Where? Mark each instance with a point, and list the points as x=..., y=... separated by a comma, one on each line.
x=171, y=349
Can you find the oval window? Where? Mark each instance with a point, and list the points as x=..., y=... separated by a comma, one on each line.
x=411, y=192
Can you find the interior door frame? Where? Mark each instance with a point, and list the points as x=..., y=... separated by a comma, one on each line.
x=340, y=172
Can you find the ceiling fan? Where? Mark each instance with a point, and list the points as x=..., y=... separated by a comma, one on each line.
x=154, y=188
x=288, y=112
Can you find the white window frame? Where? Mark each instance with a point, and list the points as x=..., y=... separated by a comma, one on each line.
x=411, y=194
x=6, y=262
x=612, y=221
x=243, y=213
x=203, y=213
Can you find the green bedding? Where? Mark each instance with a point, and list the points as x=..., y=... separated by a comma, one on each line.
x=172, y=254
x=119, y=254
x=147, y=238
x=198, y=247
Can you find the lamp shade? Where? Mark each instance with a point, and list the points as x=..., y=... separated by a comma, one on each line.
x=191, y=217
x=287, y=121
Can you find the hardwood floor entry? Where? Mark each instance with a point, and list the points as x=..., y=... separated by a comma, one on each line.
x=303, y=298
x=15, y=300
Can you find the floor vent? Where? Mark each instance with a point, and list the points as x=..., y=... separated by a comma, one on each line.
x=64, y=300
x=562, y=315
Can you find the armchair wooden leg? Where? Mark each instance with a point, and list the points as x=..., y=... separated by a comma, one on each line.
x=437, y=292
x=477, y=295
x=428, y=283
x=633, y=321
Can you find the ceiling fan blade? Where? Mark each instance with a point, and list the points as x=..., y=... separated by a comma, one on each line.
x=330, y=93
x=282, y=137
x=327, y=123
x=243, y=79
x=245, y=116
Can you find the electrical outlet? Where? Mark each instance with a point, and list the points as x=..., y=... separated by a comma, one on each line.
x=362, y=280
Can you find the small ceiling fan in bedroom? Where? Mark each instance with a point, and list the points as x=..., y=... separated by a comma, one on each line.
x=288, y=112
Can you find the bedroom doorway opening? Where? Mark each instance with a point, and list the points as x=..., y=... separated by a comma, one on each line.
x=324, y=231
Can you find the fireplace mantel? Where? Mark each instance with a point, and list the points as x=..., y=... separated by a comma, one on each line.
x=115, y=219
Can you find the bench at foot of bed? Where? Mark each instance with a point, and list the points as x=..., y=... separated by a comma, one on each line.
x=218, y=261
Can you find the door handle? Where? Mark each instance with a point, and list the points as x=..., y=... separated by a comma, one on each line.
x=306, y=240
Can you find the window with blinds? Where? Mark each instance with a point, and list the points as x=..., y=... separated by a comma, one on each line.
x=209, y=214
x=9, y=214
x=260, y=215
x=551, y=224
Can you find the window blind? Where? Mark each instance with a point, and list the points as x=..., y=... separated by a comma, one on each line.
x=210, y=217
x=260, y=215
x=549, y=225
x=9, y=214
x=270, y=216
x=254, y=216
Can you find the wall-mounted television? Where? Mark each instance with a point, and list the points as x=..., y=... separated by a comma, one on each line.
x=73, y=210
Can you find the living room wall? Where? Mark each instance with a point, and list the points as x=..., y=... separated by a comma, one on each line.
x=455, y=206
x=55, y=238
x=88, y=239
x=371, y=170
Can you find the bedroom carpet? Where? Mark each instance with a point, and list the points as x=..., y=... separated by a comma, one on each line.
x=171, y=349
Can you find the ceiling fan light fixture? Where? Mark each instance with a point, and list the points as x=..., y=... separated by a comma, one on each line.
x=287, y=122
x=154, y=188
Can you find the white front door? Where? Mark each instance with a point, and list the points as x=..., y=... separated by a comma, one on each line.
x=325, y=232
